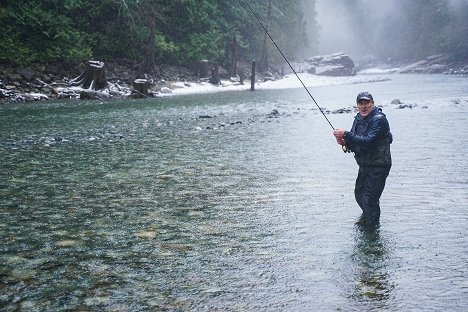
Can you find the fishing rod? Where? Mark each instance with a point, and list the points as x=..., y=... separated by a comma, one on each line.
x=279, y=50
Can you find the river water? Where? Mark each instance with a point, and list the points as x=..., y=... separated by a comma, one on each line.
x=217, y=202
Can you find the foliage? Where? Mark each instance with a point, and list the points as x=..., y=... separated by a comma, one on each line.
x=37, y=31
x=186, y=31
x=458, y=42
x=175, y=31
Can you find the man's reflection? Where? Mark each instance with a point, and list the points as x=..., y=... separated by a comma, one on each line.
x=370, y=258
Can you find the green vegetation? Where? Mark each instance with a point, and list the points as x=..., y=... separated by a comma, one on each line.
x=183, y=32
x=146, y=31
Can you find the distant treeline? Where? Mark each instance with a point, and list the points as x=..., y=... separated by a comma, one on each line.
x=409, y=30
x=182, y=32
x=149, y=31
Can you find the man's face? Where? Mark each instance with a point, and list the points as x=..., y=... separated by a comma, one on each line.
x=365, y=107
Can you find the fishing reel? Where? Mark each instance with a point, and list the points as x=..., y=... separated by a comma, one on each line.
x=345, y=149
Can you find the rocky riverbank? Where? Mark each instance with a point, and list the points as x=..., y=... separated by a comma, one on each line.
x=436, y=64
x=21, y=84
x=53, y=82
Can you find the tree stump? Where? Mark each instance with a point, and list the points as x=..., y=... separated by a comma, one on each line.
x=93, y=77
x=203, y=68
x=214, y=79
x=140, y=88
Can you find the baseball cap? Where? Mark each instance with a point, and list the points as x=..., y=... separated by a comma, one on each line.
x=364, y=96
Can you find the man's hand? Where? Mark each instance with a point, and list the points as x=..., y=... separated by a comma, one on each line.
x=339, y=135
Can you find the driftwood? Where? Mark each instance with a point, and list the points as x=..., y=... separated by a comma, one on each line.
x=93, y=77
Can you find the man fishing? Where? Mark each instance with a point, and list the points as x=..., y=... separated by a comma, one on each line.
x=369, y=140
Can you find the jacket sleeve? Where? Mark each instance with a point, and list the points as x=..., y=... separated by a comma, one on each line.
x=377, y=128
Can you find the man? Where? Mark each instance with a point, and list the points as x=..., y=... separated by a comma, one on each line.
x=369, y=140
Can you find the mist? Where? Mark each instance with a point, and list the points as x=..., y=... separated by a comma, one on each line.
x=383, y=28
x=343, y=31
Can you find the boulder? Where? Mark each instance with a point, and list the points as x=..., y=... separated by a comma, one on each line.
x=26, y=73
x=93, y=95
x=430, y=65
x=166, y=90
x=14, y=77
x=337, y=64
x=36, y=96
x=332, y=70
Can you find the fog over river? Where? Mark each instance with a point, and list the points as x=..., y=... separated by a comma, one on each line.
x=234, y=201
x=379, y=28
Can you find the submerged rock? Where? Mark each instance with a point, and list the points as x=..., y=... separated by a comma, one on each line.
x=23, y=274
x=274, y=114
x=146, y=234
x=402, y=106
x=342, y=111
x=67, y=243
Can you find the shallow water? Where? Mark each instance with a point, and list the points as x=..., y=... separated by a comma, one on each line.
x=214, y=203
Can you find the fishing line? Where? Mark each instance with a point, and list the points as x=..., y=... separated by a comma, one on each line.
x=279, y=50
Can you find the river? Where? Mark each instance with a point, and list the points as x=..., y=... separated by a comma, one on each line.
x=233, y=201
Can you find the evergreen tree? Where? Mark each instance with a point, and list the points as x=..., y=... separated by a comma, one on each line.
x=458, y=39
x=426, y=28
x=146, y=31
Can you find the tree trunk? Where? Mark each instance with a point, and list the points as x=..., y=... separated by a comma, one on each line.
x=214, y=79
x=241, y=75
x=264, y=62
x=150, y=63
x=93, y=77
x=233, y=72
x=203, y=69
x=252, y=78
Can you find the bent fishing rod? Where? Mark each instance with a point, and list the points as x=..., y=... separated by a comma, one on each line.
x=282, y=54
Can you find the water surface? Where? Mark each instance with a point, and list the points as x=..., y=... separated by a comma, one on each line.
x=218, y=202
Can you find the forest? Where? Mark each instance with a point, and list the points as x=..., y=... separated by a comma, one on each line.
x=181, y=32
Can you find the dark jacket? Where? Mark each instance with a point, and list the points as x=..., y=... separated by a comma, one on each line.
x=370, y=139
